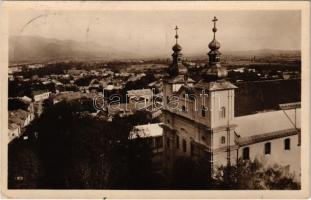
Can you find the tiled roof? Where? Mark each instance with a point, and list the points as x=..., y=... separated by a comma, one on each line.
x=13, y=126
x=266, y=136
x=18, y=117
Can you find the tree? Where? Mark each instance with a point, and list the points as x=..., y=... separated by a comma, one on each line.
x=190, y=173
x=77, y=151
x=253, y=175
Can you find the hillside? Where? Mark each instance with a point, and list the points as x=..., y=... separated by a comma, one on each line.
x=39, y=49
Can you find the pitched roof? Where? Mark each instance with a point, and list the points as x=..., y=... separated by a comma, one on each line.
x=264, y=137
x=188, y=89
x=262, y=126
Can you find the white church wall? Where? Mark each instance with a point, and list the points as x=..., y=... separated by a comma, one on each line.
x=278, y=154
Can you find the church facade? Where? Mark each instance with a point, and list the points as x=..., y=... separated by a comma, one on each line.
x=199, y=120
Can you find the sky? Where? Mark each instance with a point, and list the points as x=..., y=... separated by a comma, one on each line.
x=151, y=32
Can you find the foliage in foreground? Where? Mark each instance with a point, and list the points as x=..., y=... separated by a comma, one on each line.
x=247, y=175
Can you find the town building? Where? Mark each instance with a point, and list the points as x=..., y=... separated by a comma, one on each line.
x=199, y=120
x=142, y=95
x=40, y=95
x=151, y=132
x=18, y=119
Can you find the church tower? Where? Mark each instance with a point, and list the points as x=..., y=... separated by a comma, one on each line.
x=177, y=72
x=220, y=106
x=201, y=127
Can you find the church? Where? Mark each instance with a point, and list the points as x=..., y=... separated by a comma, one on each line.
x=199, y=120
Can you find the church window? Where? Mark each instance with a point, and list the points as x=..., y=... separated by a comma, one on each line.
x=223, y=140
x=203, y=111
x=268, y=148
x=184, y=146
x=177, y=141
x=183, y=108
x=223, y=112
x=246, y=153
x=287, y=144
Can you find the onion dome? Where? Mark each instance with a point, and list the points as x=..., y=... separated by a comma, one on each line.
x=214, y=70
x=214, y=45
x=177, y=68
x=176, y=47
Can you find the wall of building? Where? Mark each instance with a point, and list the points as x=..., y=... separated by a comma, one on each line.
x=278, y=154
x=221, y=159
x=219, y=100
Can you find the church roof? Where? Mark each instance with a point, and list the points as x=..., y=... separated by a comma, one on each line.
x=188, y=89
x=213, y=86
x=266, y=126
x=179, y=79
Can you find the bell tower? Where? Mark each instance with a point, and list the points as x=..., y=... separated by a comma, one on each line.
x=177, y=72
x=220, y=94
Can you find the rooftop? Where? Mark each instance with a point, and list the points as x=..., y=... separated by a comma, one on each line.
x=147, y=130
x=139, y=92
x=267, y=124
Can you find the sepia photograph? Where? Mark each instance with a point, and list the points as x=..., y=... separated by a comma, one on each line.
x=155, y=96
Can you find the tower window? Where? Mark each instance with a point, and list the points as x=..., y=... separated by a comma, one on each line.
x=268, y=148
x=183, y=108
x=287, y=144
x=223, y=140
x=203, y=111
x=223, y=112
x=246, y=153
x=184, y=145
x=177, y=141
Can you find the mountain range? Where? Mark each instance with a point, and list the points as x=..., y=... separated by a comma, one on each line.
x=24, y=49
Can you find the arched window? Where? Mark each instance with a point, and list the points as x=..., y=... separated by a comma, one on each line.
x=223, y=112
x=203, y=111
x=223, y=140
x=183, y=108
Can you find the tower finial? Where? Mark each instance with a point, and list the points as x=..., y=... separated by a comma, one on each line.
x=176, y=34
x=215, y=70
x=214, y=29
